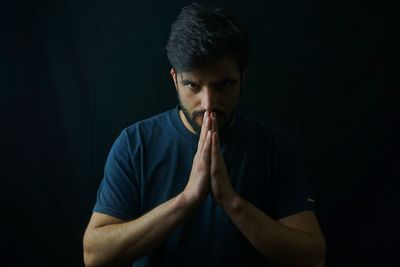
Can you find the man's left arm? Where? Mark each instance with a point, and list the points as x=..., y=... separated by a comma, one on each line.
x=295, y=240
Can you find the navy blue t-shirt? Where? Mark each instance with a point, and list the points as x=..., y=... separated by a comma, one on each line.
x=150, y=163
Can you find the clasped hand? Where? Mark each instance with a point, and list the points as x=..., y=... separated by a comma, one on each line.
x=209, y=173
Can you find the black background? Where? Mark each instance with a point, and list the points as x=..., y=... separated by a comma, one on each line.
x=75, y=73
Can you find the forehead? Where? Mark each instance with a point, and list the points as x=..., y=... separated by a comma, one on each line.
x=214, y=70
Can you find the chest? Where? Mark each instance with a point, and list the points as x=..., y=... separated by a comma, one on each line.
x=164, y=172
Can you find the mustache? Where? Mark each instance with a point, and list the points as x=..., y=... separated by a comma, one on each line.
x=218, y=112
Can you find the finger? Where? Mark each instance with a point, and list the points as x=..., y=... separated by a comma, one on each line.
x=216, y=155
x=215, y=149
x=207, y=148
x=214, y=122
x=204, y=130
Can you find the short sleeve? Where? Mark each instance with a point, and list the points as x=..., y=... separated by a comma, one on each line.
x=292, y=189
x=118, y=193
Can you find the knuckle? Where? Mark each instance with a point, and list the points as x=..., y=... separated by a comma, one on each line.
x=201, y=168
x=205, y=154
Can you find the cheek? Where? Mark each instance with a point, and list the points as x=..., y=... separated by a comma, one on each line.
x=199, y=120
x=184, y=96
x=192, y=103
x=185, y=100
x=236, y=97
x=231, y=100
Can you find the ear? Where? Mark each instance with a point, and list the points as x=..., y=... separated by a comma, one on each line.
x=174, y=77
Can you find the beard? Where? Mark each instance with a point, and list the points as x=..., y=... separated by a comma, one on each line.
x=224, y=118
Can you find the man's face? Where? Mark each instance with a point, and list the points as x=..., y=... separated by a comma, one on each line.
x=215, y=87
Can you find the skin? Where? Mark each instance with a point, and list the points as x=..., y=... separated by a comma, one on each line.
x=215, y=87
x=295, y=240
x=211, y=90
x=110, y=241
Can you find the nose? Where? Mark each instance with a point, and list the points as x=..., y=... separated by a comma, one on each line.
x=208, y=99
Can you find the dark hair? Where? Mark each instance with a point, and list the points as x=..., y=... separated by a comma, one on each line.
x=200, y=34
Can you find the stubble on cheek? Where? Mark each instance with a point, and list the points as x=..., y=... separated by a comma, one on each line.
x=199, y=119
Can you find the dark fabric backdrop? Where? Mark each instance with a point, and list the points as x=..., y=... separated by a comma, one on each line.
x=75, y=73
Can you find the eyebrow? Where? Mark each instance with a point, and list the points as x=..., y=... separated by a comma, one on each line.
x=224, y=80
x=187, y=81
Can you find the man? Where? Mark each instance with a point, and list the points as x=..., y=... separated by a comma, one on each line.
x=201, y=184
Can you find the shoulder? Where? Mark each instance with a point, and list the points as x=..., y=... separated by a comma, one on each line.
x=268, y=136
x=257, y=128
x=152, y=127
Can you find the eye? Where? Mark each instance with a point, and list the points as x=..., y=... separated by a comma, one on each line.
x=224, y=85
x=191, y=86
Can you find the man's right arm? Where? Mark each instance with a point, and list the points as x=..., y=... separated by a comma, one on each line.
x=110, y=241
